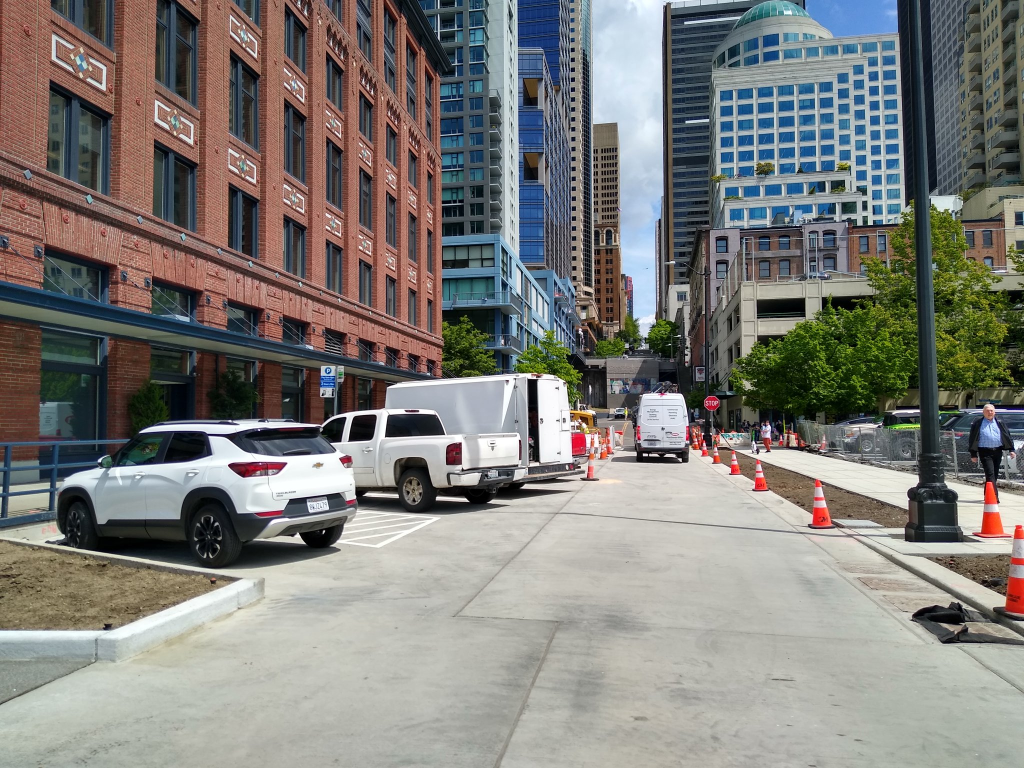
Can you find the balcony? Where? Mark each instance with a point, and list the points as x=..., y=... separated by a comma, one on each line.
x=973, y=22
x=1010, y=12
x=973, y=6
x=977, y=121
x=1008, y=119
x=504, y=343
x=976, y=104
x=1009, y=54
x=977, y=141
x=495, y=99
x=1009, y=32
x=1007, y=161
x=1006, y=138
x=973, y=43
x=974, y=179
x=975, y=84
x=1010, y=98
x=1010, y=74
x=496, y=203
x=506, y=301
x=975, y=160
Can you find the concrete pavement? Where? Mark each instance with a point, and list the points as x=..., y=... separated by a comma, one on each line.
x=665, y=615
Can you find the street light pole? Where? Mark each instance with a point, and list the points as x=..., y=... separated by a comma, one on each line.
x=932, y=508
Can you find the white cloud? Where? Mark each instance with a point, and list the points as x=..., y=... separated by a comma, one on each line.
x=645, y=323
x=627, y=91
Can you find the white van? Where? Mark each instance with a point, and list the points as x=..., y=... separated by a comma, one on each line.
x=662, y=426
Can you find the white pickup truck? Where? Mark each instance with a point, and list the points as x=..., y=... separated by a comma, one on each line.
x=408, y=449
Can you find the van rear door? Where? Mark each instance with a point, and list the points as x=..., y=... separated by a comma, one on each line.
x=662, y=424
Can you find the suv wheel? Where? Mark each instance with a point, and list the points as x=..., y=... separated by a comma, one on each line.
x=212, y=537
x=79, y=530
x=323, y=539
x=415, y=490
x=481, y=495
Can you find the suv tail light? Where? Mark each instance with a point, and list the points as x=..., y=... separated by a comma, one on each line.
x=257, y=468
x=453, y=454
x=346, y=461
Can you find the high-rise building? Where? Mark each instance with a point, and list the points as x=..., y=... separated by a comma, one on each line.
x=545, y=24
x=181, y=209
x=990, y=101
x=581, y=147
x=607, y=249
x=804, y=126
x=478, y=120
x=692, y=30
x=941, y=25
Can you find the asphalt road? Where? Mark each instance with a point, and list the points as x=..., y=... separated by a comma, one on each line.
x=662, y=616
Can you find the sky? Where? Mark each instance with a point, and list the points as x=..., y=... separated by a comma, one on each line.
x=627, y=91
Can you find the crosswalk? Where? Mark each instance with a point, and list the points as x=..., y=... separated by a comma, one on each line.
x=378, y=529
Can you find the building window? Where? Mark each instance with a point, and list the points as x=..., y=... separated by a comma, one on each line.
x=294, y=248
x=335, y=178
x=78, y=143
x=412, y=308
x=365, y=118
x=244, y=110
x=72, y=376
x=294, y=143
x=721, y=269
x=812, y=239
x=390, y=224
x=883, y=241
x=243, y=223
x=986, y=238
x=293, y=332
x=829, y=240
x=430, y=252
x=764, y=243
x=989, y=262
x=364, y=27
x=167, y=301
x=336, y=8
x=365, y=284
x=430, y=188
x=721, y=245
x=783, y=267
x=413, y=241
x=176, y=54
x=389, y=51
x=74, y=278
x=969, y=235
x=864, y=241
x=828, y=263
x=94, y=16
x=293, y=382
x=242, y=320
x=1018, y=218
x=365, y=200
x=391, y=146
x=410, y=81
x=430, y=316
x=412, y=170
x=174, y=188
x=250, y=8
x=335, y=84
x=764, y=269
x=428, y=109
x=294, y=40
x=335, y=270
x=389, y=297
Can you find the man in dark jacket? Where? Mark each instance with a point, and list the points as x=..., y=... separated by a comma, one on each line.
x=988, y=439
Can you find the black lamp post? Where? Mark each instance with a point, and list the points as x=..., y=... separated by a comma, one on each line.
x=932, y=508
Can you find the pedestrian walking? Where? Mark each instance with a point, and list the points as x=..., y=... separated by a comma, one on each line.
x=755, y=438
x=988, y=439
x=766, y=435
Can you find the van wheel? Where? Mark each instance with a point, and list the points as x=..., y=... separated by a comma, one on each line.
x=415, y=490
x=684, y=457
x=639, y=456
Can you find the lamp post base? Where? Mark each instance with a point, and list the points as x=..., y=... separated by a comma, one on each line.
x=933, y=515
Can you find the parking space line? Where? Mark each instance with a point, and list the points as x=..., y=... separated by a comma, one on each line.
x=381, y=527
x=360, y=522
x=392, y=535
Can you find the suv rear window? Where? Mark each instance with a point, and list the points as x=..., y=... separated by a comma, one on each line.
x=413, y=425
x=285, y=441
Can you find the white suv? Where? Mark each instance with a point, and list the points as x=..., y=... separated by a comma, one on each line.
x=214, y=484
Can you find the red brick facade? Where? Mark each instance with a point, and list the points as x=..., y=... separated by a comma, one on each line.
x=119, y=232
x=986, y=242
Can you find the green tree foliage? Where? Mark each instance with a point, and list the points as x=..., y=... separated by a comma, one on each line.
x=610, y=348
x=551, y=356
x=147, y=407
x=630, y=333
x=233, y=397
x=764, y=169
x=662, y=338
x=464, y=351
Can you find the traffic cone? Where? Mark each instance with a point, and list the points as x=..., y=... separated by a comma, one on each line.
x=1015, y=584
x=821, y=517
x=716, y=459
x=824, y=445
x=703, y=449
x=734, y=466
x=604, y=450
x=991, y=522
x=782, y=443
x=590, y=467
x=760, y=484
x=611, y=442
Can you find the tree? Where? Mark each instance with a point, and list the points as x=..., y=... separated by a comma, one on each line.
x=630, y=333
x=551, y=356
x=464, y=352
x=764, y=169
x=843, y=166
x=232, y=397
x=662, y=338
x=610, y=348
x=147, y=407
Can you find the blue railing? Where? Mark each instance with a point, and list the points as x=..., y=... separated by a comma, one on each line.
x=77, y=455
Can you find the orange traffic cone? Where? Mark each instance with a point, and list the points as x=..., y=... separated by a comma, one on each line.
x=611, y=442
x=760, y=484
x=716, y=458
x=703, y=449
x=734, y=466
x=824, y=445
x=1015, y=584
x=991, y=522
x=590, y=467
x=821, y=517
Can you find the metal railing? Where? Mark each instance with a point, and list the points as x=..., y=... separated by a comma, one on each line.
x=77, y=455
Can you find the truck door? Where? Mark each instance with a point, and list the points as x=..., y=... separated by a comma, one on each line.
x=359, y=444
x=553, y=423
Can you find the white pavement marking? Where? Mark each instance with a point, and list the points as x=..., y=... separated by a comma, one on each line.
x=394, y=525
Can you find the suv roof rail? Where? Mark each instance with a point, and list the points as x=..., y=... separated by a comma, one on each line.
x=225, y=422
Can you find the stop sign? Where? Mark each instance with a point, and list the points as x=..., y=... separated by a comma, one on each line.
x=711, y=403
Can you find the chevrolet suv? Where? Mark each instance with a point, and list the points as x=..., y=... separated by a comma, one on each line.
x=215, y=485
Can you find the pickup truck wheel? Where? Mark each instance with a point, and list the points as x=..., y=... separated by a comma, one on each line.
x=415, y=490
x=323, y=539
x=515, y=487
x=480, y=495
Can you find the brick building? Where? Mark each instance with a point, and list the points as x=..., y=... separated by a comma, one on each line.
x=254, y=190
x=986, y=243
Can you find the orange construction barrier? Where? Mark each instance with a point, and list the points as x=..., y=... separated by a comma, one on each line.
x=760, y=484
x=734, y=466
x=590, y=467
x=716, y=459
x=1015, y=584
x=991, y=522
x=821, y=517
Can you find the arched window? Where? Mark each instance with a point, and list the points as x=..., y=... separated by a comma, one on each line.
x=721, y=269
x=829, y=239
x=721, y=245
x=609, y=237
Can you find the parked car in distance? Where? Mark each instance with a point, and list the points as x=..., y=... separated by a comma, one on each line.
x=960, y=428
x=662, y=426
x=408, y=449
x=619, y=413
x=215, y=485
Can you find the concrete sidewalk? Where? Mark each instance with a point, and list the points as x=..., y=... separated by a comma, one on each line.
x=891, y=486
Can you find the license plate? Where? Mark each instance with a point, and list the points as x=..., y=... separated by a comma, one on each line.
x=318, y=505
